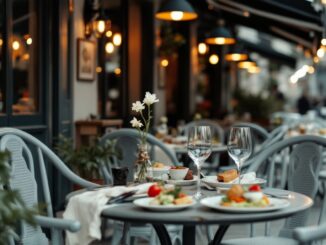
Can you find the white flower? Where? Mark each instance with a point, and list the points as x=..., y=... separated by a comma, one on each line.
x=150, y=98
x=136, y=123
x=137, y=106
x=163, y=119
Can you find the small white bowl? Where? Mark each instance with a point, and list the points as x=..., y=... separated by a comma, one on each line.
x=178, y=173
x=158, y=172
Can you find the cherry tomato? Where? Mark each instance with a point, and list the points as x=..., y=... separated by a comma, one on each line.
x=254, y=188
x=154, y=190
x=181, y=195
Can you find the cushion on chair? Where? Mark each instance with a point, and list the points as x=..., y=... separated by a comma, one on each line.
x=261, y=241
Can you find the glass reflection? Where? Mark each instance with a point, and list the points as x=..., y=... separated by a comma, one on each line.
x=24, y=57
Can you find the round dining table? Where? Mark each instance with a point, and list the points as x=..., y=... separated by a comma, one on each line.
x=200, y=215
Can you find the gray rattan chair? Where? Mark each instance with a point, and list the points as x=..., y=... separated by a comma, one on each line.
x=305, y=162
x=127, y=140
x=26, y=164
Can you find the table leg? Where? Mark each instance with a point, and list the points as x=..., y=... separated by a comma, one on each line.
x=219, y=234
x=189, y=235
x=162, y=234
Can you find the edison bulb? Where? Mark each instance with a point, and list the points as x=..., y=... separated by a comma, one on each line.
x=213, y=59
x=202, y=48
x=176, y=15
x=109, y=48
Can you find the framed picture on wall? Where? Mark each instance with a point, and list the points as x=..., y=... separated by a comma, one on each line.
x=86, y=60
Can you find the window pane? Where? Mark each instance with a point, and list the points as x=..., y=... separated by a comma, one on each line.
x=25, y=57
x=2, y=82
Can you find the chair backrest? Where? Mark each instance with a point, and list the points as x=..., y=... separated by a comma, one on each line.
x=126, y=141
x=304, y=166
x=26, y=165
x=217, y=130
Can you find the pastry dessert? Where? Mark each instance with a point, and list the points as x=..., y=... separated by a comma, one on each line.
x=158, y=165
x=227, y=175
x=189, y=175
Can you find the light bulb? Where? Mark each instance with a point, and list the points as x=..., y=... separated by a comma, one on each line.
x=213, y=59
x=109, y=48
x=108, y=34
x=15, y=45
x=29, y=41
x=117, y=39
x=101, y=26
x=176, y=15
x=1, y=42
x=202, y=48
x=164, y=62
x=323, y=42
x=320, y=52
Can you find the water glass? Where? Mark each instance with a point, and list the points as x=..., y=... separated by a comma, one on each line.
x=199, y=149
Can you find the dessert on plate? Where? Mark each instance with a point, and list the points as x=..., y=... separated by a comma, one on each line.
x=227, y=176
x=239, y=196
x=168, y=196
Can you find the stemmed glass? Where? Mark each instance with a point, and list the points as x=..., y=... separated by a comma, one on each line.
x=199, y=149
x=239, y=146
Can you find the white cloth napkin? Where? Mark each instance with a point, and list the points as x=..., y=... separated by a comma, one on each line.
x=87, y=207
x=246, y=178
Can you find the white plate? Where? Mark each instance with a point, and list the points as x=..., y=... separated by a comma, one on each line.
x=144, y=203
x=213, y=182
x=214, y=203
x=182, y=182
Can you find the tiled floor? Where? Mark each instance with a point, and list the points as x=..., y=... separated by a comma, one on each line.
x=238, y=231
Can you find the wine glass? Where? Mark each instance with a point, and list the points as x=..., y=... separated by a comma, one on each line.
x=239, y=146
x=199, y=149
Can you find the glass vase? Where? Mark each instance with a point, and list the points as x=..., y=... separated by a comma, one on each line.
x=143, y=168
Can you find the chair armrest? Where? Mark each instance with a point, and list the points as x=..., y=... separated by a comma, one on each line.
x=310, y=233
x=61, y=224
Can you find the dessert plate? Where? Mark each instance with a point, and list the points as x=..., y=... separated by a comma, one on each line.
x=145, y=203
x=213, y=182
x=214, y=203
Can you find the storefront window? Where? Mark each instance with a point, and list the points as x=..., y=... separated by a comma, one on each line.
x=25, y=58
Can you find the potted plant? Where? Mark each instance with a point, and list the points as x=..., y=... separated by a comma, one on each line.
x=86, y=160
x=12, y=207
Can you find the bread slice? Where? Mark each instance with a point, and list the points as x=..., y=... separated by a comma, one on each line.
x=227, y=175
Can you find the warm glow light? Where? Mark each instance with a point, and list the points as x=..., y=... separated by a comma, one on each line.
x=25, y=57
x=246, y=64
x=311, y=69
x=323, y=1
x=236, y=57
x=117, y=39
x=98, y=69
x=101, y=26
x=213, y=59
x=202, y=48
x=164, y=62
x=176, y=15
x=1, y=42
x=117, y=71
x=246, y=14
x=29, y=41
x=108, y=34
x=323, y=42
x=220, y=40
x=316, y=59
x=109, y=48
x=254, y=69
x=321, y=52
x=293, y=79
x=15, y=45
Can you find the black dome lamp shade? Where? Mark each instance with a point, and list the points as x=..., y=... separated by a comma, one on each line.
x=236, y=54
x=176, y=10
x=220, y=36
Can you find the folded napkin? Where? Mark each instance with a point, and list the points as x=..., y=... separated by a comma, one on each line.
x=87, y=207
x=246, y=178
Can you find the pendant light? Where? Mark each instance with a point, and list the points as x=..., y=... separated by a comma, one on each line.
x=176, y=10
x=236, y=54
x=246, y=64
x=220, y=35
